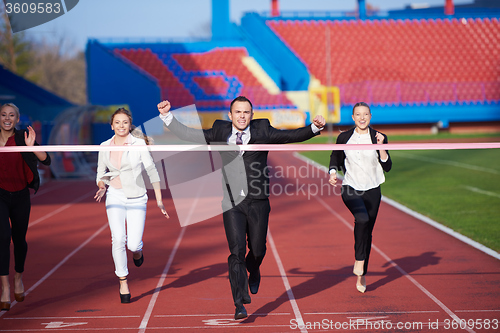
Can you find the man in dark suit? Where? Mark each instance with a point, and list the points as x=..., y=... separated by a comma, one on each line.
x=245, y=205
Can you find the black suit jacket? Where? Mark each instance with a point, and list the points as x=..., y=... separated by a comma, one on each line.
x=255, y=170
x=337, y=158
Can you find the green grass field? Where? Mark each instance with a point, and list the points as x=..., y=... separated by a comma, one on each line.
x=458, y=188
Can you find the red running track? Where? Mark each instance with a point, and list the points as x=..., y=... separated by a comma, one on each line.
x=420, y=278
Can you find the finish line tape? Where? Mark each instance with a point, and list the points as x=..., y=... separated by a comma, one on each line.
x=253, y=147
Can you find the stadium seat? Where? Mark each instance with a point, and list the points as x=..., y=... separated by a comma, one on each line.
x=227, y=61
x=426, y=56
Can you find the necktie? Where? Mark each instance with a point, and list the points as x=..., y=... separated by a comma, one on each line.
x=239, y=141
x=238, y=138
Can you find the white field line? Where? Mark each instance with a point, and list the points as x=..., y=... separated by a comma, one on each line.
x=60, y=209
x=370, y=313
x=43, y=190
x=480, y=191
x=74, y=317
x=494, y=310
x=156, y=329
x=291, y=297
x=149, y=310
x=221, y=315
x=447, y=162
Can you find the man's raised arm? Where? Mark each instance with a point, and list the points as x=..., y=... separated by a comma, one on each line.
x=180, y=130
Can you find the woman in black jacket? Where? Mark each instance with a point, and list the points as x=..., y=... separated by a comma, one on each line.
x=18, y=173
x=363, y=173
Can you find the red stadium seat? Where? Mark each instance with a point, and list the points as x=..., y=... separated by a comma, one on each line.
x=429, y=52
x=229, y=61
x=171, y=87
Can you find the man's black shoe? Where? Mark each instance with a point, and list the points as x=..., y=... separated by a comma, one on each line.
x=240, y=312
x=254, y=282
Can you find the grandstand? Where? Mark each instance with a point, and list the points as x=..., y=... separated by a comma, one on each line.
x=401, y=62
x=212, y=78
x=424, y=66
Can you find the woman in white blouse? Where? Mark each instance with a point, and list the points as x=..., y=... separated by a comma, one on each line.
x=363, y=173
x=126, y=196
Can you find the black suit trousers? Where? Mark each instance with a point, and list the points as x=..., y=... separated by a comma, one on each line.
x=247, y=221
x=364, y=207
x=15, y=206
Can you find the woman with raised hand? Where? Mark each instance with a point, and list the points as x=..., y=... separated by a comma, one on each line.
x=18, y=173
x=363, y=173
x=126, y=196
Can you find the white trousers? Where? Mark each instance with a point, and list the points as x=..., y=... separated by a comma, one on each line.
x=126, y=218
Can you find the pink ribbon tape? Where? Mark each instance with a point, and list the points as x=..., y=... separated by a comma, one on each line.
x=268, y=147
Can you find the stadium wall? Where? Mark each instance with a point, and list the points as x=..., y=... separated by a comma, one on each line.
x=240, y=40
x=428, y=114
x=111, y=80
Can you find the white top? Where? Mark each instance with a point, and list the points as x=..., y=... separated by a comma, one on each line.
x=363, y=169
x=130, y=170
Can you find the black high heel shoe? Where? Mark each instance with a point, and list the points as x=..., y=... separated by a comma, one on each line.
x=124, y=298
x=138, y=262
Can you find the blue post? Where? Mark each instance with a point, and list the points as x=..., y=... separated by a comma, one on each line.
x=362, y=9
x=221, y=26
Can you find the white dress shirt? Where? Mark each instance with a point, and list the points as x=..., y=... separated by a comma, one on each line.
x=363, y=169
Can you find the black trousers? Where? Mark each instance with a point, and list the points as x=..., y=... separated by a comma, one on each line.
x=15, y=206
x=247, y=221
x=364, y=207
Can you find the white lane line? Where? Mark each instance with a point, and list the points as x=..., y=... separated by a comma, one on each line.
x=368, y=312
x=221, y=315
x=43, y=190
x=393, y=264
x=60, y=209
x=311, y=162
x=149, y=310
x=478, y=190
x=291, y=297
x=477, y=310
x=39, y=282
x=157, y=329
x=91, y=317
x=441, y=227
x=238, y=326
x=447, y=162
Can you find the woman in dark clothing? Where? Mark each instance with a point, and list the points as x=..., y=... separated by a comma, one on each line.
x=363, y=173
x=18, y=172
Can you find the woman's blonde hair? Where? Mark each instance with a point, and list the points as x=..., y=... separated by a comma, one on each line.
x=135, y=131
x=12, y=105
